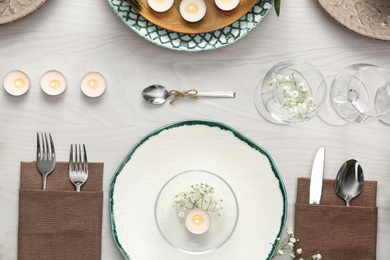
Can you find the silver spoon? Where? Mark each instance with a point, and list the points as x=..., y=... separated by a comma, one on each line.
x=157, y=94
x=349, y=180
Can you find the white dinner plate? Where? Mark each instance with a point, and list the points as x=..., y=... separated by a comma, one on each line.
x=197, y=144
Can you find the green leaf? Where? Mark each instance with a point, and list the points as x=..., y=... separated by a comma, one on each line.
x=277, y=7
x=137, y=3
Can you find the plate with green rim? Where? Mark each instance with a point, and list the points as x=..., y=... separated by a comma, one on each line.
x=191, y=42
x=197, y=144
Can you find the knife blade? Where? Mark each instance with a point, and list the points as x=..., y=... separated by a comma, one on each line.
x=317, y=177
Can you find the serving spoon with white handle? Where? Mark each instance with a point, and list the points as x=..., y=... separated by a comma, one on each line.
x=157, y=94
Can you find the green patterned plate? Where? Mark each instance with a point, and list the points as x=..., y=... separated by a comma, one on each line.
x=191, y=42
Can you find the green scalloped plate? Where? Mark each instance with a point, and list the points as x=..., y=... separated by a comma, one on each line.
x=210, y=146
x=191, y=42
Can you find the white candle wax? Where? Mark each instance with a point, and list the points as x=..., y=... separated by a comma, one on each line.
x=192, y=10
x=227, y=5
x=198, y=221
x=160, y=5
x=16, y=83
x=93, y=84
x=53, y=83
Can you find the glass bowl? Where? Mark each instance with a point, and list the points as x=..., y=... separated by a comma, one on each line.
x=292, y=92
x=172, y=227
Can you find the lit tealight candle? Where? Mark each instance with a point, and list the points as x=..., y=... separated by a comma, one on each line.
x=160, y=5
x=16, y=82
x=93, y=84
x=53, y=83
x=192, y=10
x=227, y=5
x=198, y=221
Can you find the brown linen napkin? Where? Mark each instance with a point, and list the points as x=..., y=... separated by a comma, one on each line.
x=59, y=223
x=333, y=229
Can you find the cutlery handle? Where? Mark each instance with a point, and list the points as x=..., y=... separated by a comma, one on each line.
x=44, y=182
x=228, y=94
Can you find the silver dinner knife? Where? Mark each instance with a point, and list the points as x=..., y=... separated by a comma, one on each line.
x=317, y=177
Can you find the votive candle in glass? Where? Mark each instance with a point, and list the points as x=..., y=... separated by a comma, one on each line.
x=198, y=221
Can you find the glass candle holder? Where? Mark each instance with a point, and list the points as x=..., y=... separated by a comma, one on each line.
x=206, y=232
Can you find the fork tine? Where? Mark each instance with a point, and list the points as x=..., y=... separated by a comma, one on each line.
x=53, y=151
x=85, y=160
x=38, y=148
x=45, y=148
x=76, y=165
x=71, y=158
x=79, y=159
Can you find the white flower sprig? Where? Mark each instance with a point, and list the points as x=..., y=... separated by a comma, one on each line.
x=199, y=196
x=297, y=100
x=288, y=246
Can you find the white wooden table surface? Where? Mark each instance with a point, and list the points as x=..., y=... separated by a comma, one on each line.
x=76, y=37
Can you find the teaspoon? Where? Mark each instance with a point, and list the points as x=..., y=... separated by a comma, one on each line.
x=157, y=94
x=349, y=180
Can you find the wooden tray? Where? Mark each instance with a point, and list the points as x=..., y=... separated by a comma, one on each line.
x=213, y=20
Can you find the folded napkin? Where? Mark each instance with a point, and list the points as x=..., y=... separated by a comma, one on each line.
x=59, y=223
x=333, y=229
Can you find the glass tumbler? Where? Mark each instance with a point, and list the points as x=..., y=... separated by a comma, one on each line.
x=292, y=92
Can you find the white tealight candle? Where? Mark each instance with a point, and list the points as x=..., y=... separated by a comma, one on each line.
x=198, y=221
x=227, y=5
x=160, y=5
x=192, y=10
x=93, y=84
x=53, y=83
x=16, y=82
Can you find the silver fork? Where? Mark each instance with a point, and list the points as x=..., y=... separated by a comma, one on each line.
x=78, y=166
x=46, y=156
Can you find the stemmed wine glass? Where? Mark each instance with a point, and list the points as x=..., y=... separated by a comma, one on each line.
x=360, y=93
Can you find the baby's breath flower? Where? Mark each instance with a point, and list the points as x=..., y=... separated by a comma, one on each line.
x=297, y=100
x=288, y=245
x=295, y=94
x=199, y=196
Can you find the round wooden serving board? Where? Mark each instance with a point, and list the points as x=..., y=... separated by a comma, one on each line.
x=213, y=20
